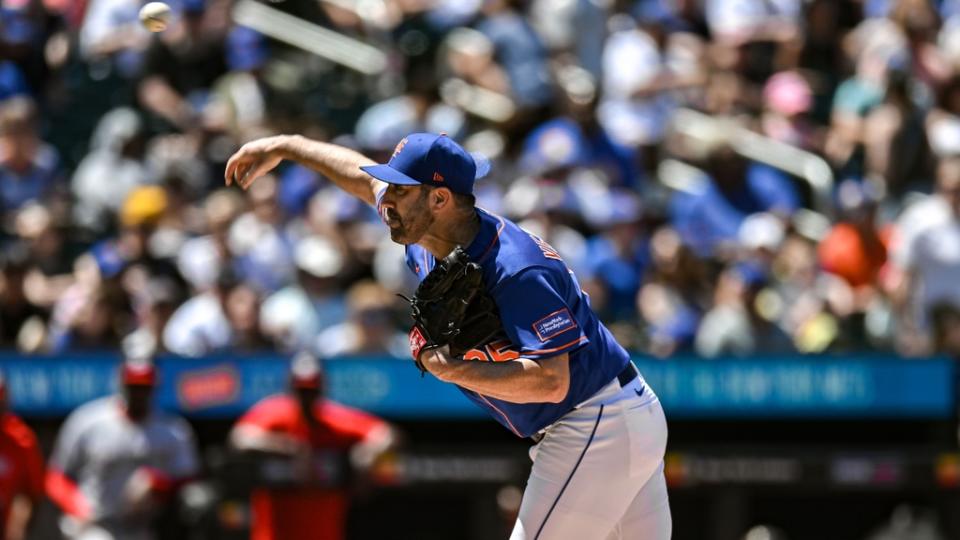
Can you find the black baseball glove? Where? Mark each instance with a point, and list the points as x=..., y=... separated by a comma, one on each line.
x=452, y=307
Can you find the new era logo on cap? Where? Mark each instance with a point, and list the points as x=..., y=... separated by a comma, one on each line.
x=432, y=160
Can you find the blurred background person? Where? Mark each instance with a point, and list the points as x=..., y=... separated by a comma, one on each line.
x=16, y=309
x=735, y=326
x=933, y=261
x=201, y=325
x=118, y=461
x=152, y=308
x=114, y=166
x=180, y=65
x=29, y=167
x=325, y=448
x=21, y=472
x=295, y=315
x=369, y=329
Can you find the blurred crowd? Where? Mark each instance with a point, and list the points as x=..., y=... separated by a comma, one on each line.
x=117, y=231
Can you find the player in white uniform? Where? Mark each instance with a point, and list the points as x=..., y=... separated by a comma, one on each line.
x=117, y=460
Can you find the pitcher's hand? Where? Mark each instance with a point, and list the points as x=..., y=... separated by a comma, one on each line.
x=253, y=160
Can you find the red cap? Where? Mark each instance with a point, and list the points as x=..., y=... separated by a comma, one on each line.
x=305, y=371
x=138, y=372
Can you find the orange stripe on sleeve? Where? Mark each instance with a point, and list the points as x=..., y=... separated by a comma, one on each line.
x=577, y=341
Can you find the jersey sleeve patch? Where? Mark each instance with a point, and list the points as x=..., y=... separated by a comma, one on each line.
x=554, y=324
x=537, y=315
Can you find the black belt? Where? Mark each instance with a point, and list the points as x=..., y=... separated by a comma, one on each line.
x=627, y=374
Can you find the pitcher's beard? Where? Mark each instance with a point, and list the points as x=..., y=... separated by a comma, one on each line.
x=395, y=224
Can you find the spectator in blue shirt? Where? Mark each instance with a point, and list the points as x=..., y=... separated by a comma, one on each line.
x=519, y=50
x=710, y=215
x=29, y=167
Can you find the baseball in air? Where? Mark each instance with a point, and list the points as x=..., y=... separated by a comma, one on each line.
x=155, y=16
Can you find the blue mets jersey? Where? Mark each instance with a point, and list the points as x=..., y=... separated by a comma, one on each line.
x=544, y=314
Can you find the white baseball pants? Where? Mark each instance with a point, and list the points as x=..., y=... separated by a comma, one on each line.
x=598, y=472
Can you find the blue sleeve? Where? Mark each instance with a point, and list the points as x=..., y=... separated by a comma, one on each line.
x=536, y=316
x=772, y=188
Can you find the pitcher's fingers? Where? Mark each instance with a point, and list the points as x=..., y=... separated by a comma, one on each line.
x=230, y=171
x=244, y=177
x=239, y=171
x=258, y=169
x=249, y=174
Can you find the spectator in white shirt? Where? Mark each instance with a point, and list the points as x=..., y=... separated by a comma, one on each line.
x=932, y=262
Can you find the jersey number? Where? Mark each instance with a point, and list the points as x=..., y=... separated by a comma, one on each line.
x=496, y=351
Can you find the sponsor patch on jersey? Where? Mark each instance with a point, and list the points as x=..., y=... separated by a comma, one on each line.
x=554, y=324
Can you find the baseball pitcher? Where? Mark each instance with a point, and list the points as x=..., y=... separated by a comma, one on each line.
x=499, y=314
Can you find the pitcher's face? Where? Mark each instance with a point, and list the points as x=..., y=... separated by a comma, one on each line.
x=406, y=212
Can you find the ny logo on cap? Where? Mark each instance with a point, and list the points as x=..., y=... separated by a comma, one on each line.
x=399, y=147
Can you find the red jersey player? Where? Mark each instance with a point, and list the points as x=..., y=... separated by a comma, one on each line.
x=315, y=444
x=21, y=472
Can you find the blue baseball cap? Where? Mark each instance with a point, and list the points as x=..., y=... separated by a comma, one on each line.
x=431, y=160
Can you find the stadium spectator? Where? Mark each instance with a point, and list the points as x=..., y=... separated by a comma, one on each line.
x=201, y=259
x=369, y=329
x=141, y=218
x=16, y=309
x=854, y=249
x=637, y=103
x=240, y=99
x=319, y=450
x=49, y=253
x=618, y=256
x=788, y=100
x=257, y=239
x=110, y=28
x=242, y=310
x=933, y=258
x=708, y=217
x=21, y=472
x=180, y=67
x=96, y=323
x=669, y=302
x=296, y=314
x=152, y=307
x=200, y=325
x=114, y=166
x=118, y=461
x=29, y=167
x=519, y=51
x=806, y=303
x=894, y=139
x=735, y=326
